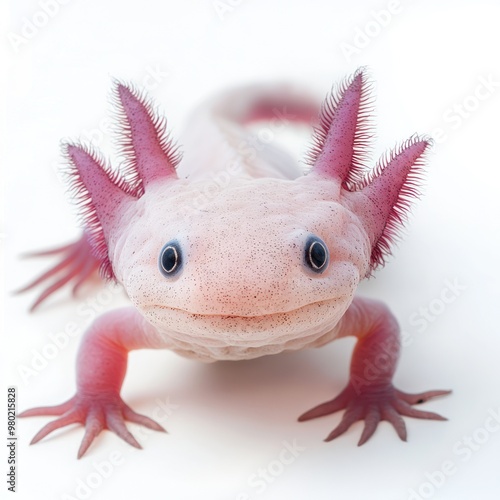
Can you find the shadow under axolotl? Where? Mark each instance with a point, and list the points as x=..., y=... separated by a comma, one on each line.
x=267, y=393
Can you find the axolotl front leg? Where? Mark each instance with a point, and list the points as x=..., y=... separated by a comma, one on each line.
x=101, y=368
x=380, y=199
x=370, y=394
x=102, y=363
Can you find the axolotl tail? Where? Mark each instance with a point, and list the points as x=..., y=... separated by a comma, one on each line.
x=276, y=102
x=245, y=123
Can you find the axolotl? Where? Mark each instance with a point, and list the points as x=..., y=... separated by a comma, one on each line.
x=268, y=262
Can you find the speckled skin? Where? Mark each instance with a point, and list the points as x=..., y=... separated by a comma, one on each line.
x=242, y=295
x=244, y=287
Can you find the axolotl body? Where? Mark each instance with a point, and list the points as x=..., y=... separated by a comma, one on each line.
x=268, y=262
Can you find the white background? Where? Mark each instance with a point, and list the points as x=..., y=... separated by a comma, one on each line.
x=231, y=419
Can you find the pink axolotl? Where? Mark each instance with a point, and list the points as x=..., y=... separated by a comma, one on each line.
x=268, y=263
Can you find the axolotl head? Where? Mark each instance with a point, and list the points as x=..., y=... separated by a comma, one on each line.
x=265, y=263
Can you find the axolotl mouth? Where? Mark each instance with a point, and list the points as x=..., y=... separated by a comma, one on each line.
x=271, y=331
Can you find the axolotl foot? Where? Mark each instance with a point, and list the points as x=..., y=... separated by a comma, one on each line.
x=370, y=394
x=77, y=264
x=95, y=413
x=373, y=405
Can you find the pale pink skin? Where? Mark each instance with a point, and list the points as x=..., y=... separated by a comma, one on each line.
x=244, y=289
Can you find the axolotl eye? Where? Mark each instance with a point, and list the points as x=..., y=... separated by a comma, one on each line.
x=316, y=254
x=170, y=259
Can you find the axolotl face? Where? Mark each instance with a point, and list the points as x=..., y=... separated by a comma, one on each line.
x=262, y=264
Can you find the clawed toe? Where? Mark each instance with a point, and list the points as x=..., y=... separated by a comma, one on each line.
x=336, y=404
x=405, y=409
x=393, y=417
x=421, y=397
x=350, y=416
x=95, y=415
x=137, y=418
x=372, y=420
x=67, y=419
x=373, y=406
